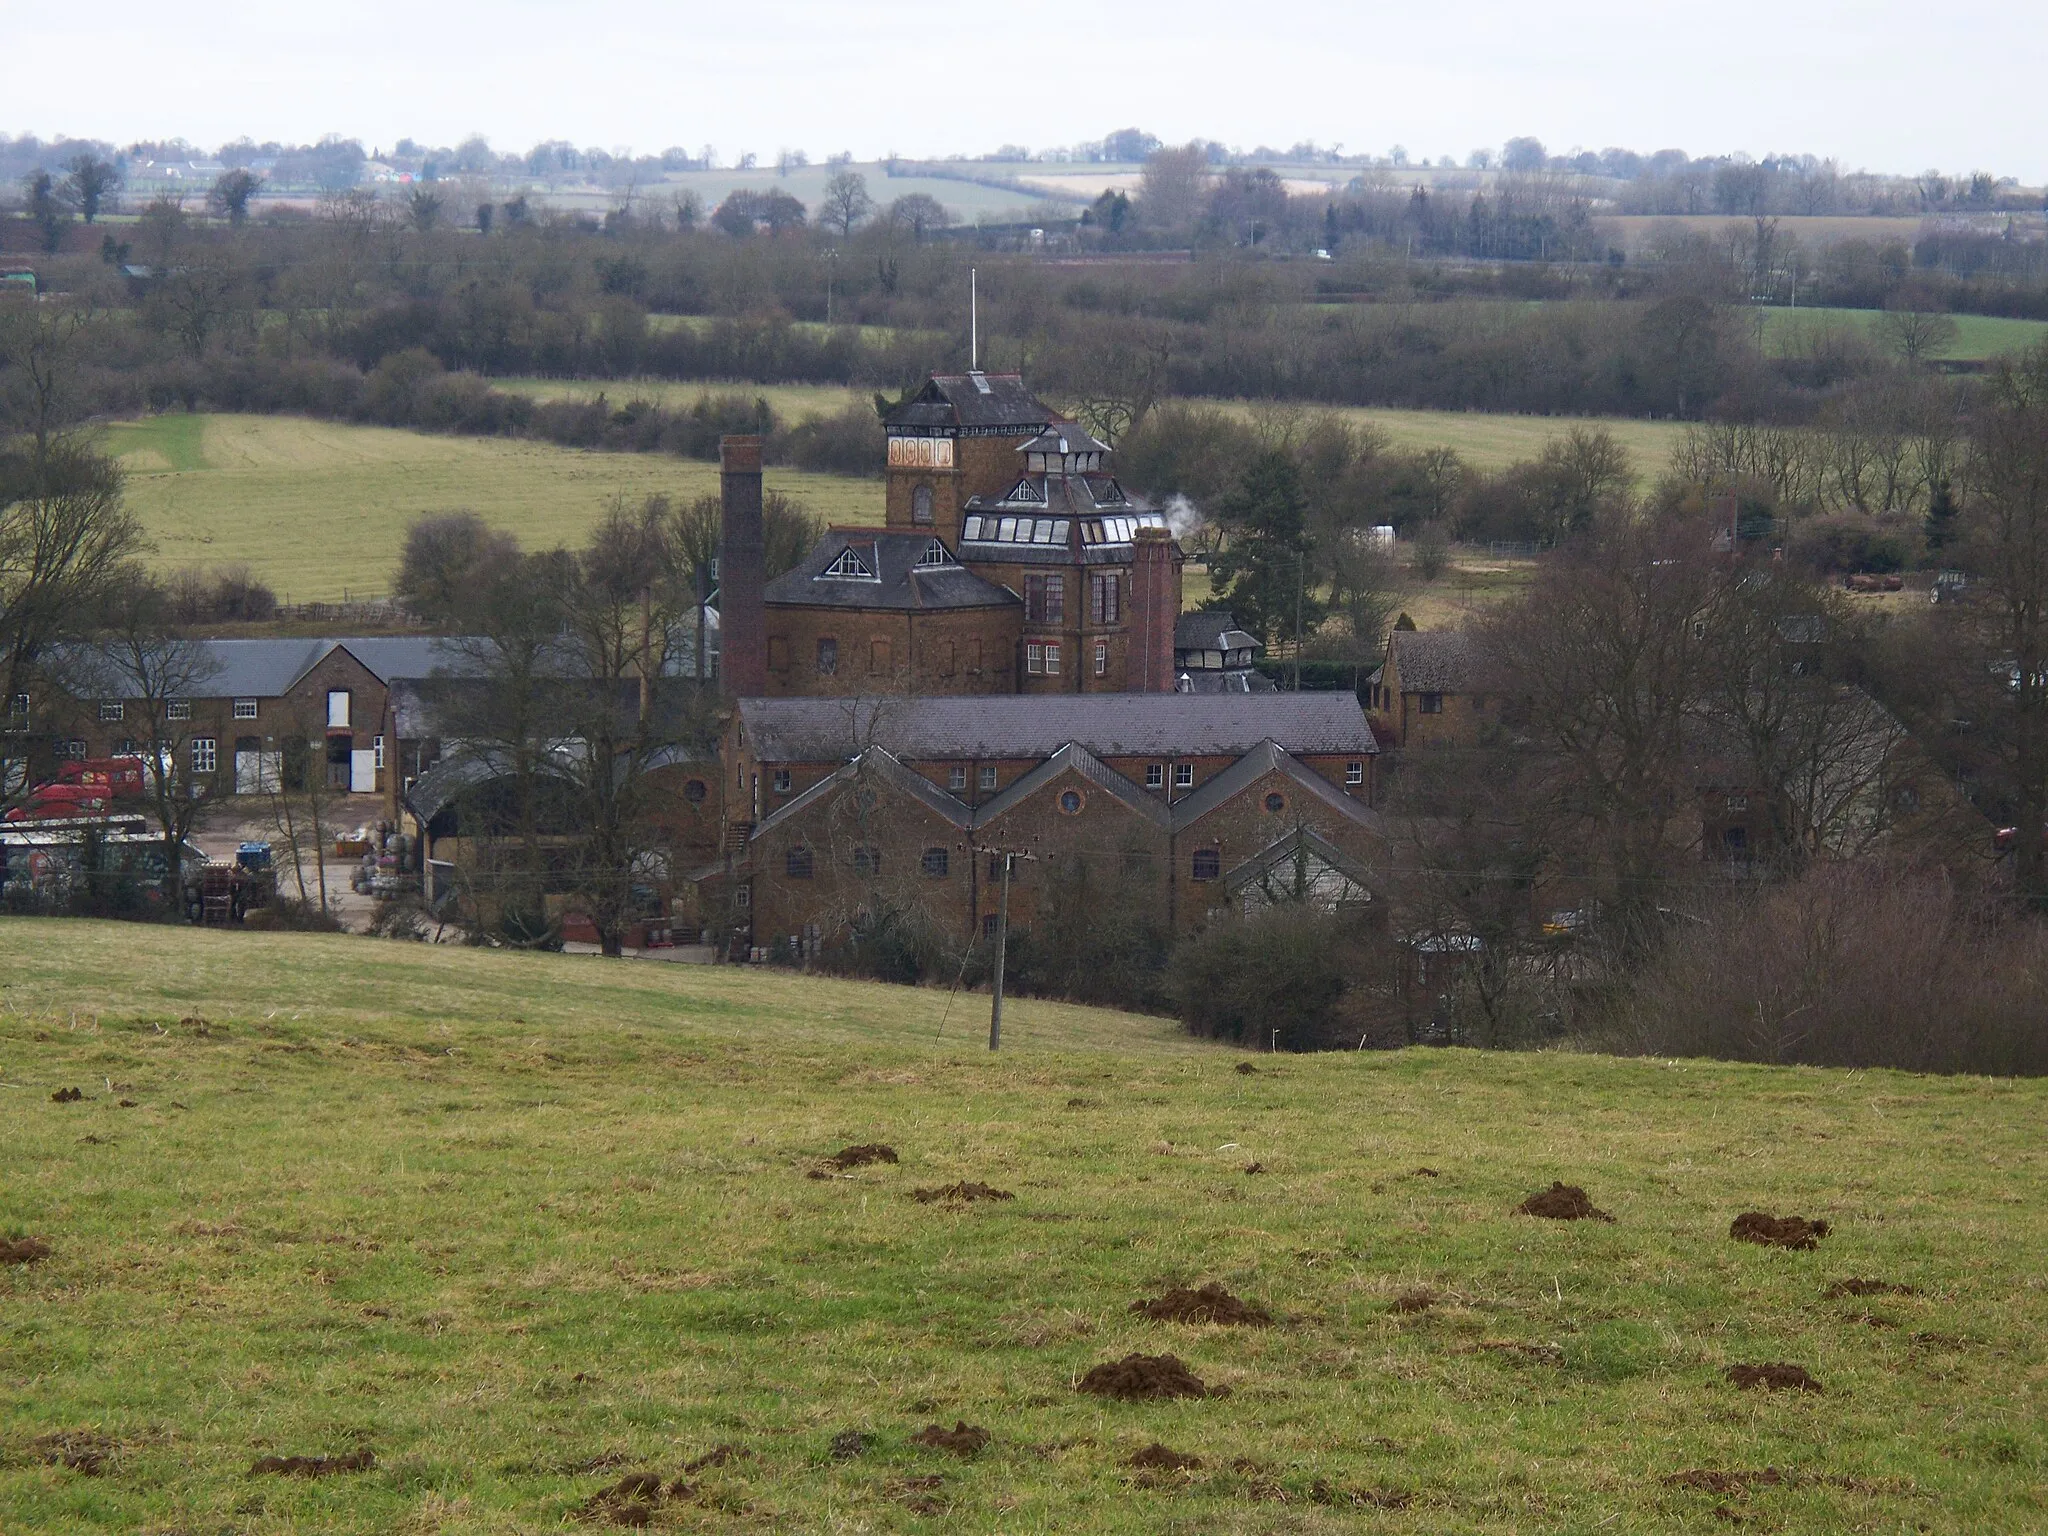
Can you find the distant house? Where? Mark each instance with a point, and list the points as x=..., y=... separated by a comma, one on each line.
x=1435, y=689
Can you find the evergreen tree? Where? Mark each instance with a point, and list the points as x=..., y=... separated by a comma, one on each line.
x=1262, y=572
x=1941, y=517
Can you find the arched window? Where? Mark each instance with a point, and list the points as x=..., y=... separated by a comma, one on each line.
x=921, y=505
x=797, y=864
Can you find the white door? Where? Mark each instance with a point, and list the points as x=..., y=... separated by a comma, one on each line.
x=362, y=773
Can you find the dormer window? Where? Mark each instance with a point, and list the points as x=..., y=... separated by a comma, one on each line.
x=935, y=557
x=848, y=567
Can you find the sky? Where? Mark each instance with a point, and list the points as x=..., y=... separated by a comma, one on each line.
x=1883, y=85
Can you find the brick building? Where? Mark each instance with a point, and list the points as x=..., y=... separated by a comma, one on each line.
x=1434, y=690
x=1188, y=804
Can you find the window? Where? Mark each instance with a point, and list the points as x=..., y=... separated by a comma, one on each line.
x=778, y=653
x=377, y=748
x=1208, y=864
x=337, y=709
x=1052, y=661
x=1736, y=839
x=1105, y=599
x=1102, y=658
x=125, y=747
x=113, y=709
x=1432, y=704
x=1070, y=802
x=828, y=657
x=848, y=567
x=956, y=779
x=694, y=791
x=1155, y=775
x=1738, y=802
x=921, y=505
x=990, y=922
x=1276, y=803
x=1034, y=659
x=780, y=781
x=1354, y=773
x=935, y=863
x=988, y=778
x=936, y=557
x=1045, y=599
x=1908, y=798
x=205, y=754
x=797, y=863
x=742, y=897
x=867, y=860
x=245, y=709
x=73, y=748
x=178, y=709
x=1183, y=775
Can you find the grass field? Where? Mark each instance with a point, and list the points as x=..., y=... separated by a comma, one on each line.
x=1977, y=338
x=521, y=1225
x=319, y=509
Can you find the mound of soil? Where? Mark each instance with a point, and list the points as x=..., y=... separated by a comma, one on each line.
x=1562, y=1202
x=1254, y=1167
x=1853, y=1287
x=631, y=1501
x=963, y=1439
x=1146, y=1378
x=919, y=1495
x=1775, y=1378
x=66, y=1096
x=718, y=1456
x=1157, y=1458
x=848, y=1444
x=1246, y=1069
x=80, y=1450
x=1777, y=1231
x=363, y=1460
x=1424, y=1173
x=23, y=1250
x=1211, y=1304
x=860, y=1156
x=964, y=1193
x=1415, y=1301
x=1706, y=1480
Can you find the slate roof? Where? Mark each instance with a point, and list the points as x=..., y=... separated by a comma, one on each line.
x=267, y=669
x=882, y=764
x=1225, y=680
x=1065, y=437
x=1435, y=660
x=1212, y=629
x=899, y=581
x=1077, y=759
x=1268, y=757
x=974, y=400
x=1061, y=495
x=1037, y=726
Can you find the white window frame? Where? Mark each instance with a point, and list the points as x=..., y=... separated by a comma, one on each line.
x=177, y=709
x=1052, y=661
x=377, y=748
x=1183, y=775
x=205, y=754
x=1155, y=775
x=1102, y=658
x=347, y=720
x=246, y=709
x=1354, y=773
x=112, y=711
x=956, y=778
x=988, y=778
x=1034, y=659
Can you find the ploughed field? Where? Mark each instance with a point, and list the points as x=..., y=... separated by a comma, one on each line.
x=347, y=1235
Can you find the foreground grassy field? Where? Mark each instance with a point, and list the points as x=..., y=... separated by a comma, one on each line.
x=521, y=1225
x=319, y=509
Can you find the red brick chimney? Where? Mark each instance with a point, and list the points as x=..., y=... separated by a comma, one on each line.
x=1155, y=605
x=742, y=616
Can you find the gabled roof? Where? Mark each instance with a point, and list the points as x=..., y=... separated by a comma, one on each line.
x=1266, y=758
x=1436, y=660
x=1037, y=725
x=876, y=762
x=268, y=669
x=1075, y=758
x=986, y=400
x=886, y=569
x=1064, y=437
x=1297, y=840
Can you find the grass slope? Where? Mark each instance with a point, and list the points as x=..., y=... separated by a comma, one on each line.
x=1978, y=338
x=503, y=1218
x=319, y=509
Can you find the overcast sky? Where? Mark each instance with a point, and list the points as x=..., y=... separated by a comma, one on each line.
x=1880, y=84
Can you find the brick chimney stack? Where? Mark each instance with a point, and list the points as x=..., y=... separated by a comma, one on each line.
x=742, y=614
x=1155, y=605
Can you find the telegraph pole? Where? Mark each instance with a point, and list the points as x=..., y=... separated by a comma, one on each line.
x=995, y=1014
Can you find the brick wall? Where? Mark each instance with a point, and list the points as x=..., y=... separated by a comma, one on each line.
x=961, y=651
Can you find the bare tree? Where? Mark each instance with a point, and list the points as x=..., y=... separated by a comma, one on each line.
x=43, y=350
x=918, y=214
x=301, y=805
x=1172, y=185
x=1914, y=333
x=846, y=201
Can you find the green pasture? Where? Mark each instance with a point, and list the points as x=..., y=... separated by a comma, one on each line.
x=319, y=509
x=1978, y=338
x=520, y=1225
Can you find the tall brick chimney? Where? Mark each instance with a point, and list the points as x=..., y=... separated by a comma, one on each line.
x=742, y=617
x=1155, y=605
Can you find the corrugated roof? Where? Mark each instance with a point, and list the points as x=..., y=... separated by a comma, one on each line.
x=1037, y=726
x=898, y=580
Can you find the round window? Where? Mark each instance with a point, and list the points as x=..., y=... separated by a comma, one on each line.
x=1070, y=801
x=1276, y=803
x=694, y=791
